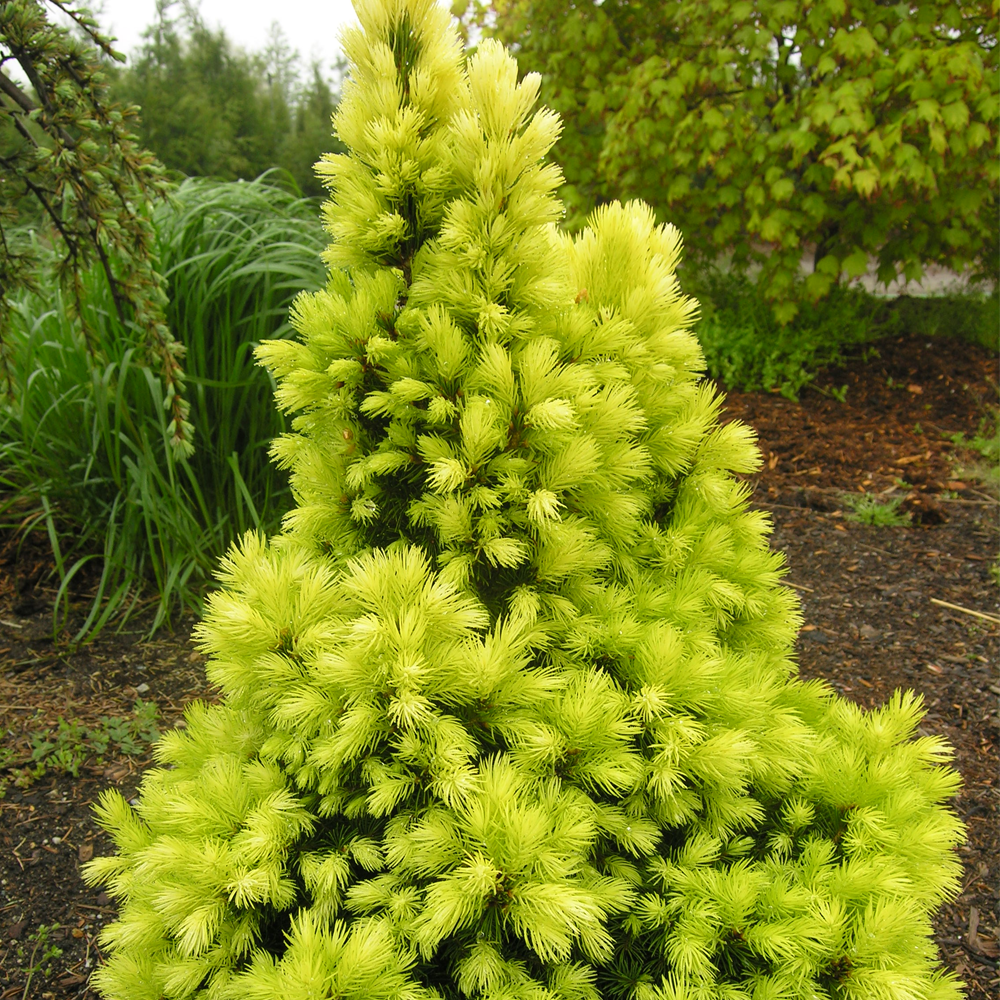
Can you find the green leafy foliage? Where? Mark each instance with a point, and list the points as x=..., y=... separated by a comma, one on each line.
x=965, y=316
x=509, y=706
x=81, y=445
x=747, y=348
x=762, y=129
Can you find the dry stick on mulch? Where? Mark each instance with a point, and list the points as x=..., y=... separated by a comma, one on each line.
x=967, y=611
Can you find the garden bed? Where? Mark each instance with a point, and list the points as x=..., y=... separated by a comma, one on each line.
x=871, y=627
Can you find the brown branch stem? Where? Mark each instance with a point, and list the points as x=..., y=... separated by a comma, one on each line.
x=14, y=92
x=100, y=40
x=40, y=193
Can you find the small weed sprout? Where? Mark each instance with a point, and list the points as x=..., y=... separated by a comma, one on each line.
x=869, y=509
x=982, y=460
x=49, y=951
x=987, y=443
x=65, y=749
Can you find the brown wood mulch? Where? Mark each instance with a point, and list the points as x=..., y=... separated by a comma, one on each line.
x=868, y=595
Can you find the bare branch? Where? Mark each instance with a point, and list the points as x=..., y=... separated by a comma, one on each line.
x=89, y=25
x=14, y=92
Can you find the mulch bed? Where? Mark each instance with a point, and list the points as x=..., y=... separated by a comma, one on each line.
x=871, y=627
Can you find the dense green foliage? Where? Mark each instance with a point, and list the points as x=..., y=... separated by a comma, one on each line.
x=81, y=442
x=746, y=348
x=68, y=149
x=210, y=109
x=970, y=316
x=509, y=706
x=862, y=129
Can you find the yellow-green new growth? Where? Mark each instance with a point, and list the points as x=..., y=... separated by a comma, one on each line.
x=509, y=711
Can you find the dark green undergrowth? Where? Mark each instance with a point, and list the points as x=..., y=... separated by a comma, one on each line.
x=83, y=453
x=747, y=349
x=970, y=317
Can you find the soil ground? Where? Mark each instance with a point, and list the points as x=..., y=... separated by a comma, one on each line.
x=872, y=626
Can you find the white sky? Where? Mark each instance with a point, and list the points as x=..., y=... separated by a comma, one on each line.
x=311, y=26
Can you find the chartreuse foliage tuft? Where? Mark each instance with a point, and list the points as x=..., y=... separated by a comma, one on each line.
x=509, y=707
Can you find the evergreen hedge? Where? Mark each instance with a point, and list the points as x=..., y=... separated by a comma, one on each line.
x=510, y=708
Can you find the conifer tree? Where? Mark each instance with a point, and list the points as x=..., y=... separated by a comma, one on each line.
x=510, y=709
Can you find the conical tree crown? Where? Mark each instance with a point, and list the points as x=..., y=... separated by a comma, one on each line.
x=509, y=711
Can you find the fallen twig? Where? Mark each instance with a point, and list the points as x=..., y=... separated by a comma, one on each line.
x=984, y=947
x=962, y=500
x=875, y=548
x=986, y=497
x=967, y=611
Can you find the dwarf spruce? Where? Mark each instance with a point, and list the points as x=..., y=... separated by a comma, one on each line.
x=509, y=706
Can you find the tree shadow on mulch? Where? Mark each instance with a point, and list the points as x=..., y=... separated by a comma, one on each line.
x=868, y=596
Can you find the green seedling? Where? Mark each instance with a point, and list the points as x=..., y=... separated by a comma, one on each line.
x=869, y=509
x=40, y=962
x=65, y=749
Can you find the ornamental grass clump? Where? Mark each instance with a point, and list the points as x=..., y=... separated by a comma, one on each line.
x=509, y=706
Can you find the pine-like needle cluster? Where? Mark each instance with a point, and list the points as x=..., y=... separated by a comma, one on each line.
x=509, y=705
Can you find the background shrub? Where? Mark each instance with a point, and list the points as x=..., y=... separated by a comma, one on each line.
x=768, y=129
x=747, y=348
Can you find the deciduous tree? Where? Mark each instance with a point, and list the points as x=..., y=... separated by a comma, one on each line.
x=765, y=127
